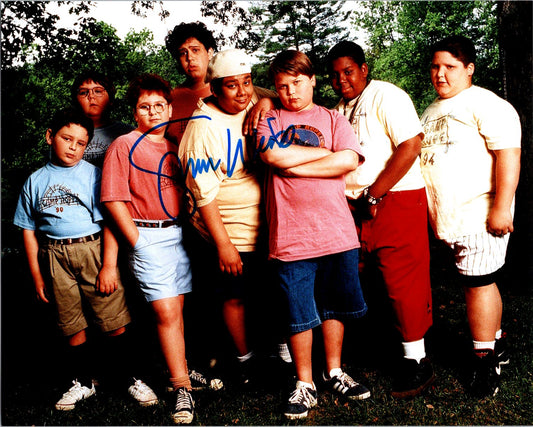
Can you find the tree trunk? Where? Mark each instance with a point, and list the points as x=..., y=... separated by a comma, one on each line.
x=515, y=39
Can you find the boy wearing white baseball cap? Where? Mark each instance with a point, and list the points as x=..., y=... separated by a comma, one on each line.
x=225, y=195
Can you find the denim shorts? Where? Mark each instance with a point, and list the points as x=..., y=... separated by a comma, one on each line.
x=160, y=264
x=323, y=288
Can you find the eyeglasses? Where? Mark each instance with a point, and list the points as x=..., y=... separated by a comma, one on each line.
x=97, y=92
x=144, y=109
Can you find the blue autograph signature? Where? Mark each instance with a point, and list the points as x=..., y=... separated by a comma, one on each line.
x=199, y=166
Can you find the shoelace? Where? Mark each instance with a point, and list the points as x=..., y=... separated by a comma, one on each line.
x=347, y=381
x=300, y=395
x=183, y=400
x=197, y=376
x=75, y=391
x=140, y=387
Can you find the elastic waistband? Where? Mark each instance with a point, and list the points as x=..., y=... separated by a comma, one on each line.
x=150, y=223
x=70, y=241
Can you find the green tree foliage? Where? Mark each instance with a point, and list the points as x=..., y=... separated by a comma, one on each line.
x=32, y=91
x=309, y=26
x=29, y=29
x=400, y=33
x=231, y=15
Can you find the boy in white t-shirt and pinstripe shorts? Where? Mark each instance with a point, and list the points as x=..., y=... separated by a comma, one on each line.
x=471, y=165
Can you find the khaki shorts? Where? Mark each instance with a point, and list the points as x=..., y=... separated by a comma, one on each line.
x=72, y=270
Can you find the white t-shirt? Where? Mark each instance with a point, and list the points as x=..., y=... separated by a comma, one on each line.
x=457, y=163
x=382, y=116
x=214, y=155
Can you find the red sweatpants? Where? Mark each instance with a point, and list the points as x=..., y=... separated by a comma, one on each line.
x=397, y=237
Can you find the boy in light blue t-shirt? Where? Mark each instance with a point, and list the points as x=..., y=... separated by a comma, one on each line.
x=59, y=212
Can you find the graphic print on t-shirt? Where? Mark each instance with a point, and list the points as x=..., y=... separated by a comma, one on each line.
x=304, y=135
x=58, y=195
x=170, y=172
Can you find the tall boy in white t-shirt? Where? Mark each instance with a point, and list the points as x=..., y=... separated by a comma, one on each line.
x=471, y=165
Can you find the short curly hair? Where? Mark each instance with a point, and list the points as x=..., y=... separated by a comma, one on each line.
x=150, y=83
x=186, y=30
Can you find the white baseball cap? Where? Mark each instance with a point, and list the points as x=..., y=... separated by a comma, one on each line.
x=231, y=62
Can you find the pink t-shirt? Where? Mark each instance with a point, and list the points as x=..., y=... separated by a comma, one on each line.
x=309, y=217
x=147, y=181
x=184, y=102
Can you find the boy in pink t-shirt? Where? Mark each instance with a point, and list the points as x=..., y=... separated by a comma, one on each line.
x=312, y=236
x=141, y=189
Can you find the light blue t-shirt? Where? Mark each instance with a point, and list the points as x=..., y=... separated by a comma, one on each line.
x=61, y=202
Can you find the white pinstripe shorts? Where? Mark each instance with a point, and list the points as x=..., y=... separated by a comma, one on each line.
x=479, y=254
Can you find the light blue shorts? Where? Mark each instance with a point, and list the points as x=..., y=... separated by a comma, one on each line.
x=160, y=264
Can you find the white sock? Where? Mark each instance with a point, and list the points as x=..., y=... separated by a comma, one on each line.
x=483, y=345
x=284, y=353
x=498, y=334
x=414, y=350
x=335, y=372
x=308, y=385
x=245, y=357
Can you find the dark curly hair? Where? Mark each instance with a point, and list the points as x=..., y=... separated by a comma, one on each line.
x=184, y=31
x=70, y=116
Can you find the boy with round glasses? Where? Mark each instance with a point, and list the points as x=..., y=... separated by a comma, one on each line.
x=141, y=189
x=94, y=94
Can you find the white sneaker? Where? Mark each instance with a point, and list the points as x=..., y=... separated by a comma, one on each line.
x=184, y=410
x=142, y=393
x=76, y=393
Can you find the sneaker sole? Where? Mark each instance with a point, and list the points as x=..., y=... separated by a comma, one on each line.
x=360, y=396
x=296, y=416
x=415, y=392
x=65, y=407
x=148, y=402
x=71, y=406
x=183, y=419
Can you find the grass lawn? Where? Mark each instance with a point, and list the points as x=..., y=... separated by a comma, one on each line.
x=30, y=386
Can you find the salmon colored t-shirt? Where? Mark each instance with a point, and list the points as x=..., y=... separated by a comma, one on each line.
x=143, y=174
x=184, y=102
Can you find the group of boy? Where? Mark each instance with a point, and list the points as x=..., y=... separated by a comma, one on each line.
x=337, y=183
